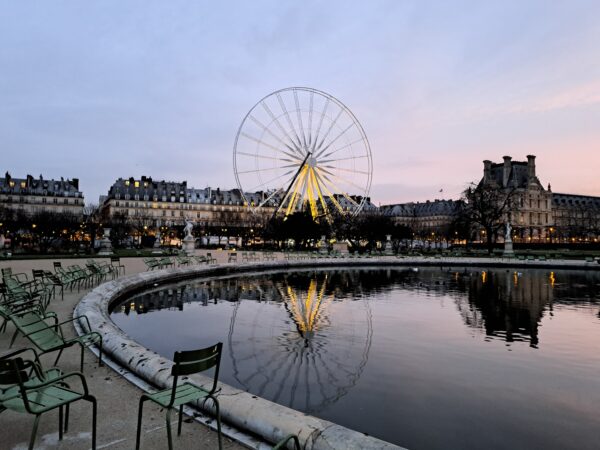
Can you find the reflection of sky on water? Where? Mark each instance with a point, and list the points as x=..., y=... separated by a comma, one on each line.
x=428, y=359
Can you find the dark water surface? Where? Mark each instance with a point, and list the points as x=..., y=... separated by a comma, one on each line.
x=434, y=359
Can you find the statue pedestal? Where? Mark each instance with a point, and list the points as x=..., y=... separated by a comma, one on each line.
x=105, y=244
x=323, y=245
x=341, y=247
x=188, y=245
x=156, y=250
x=508, y=249
x=388, y=250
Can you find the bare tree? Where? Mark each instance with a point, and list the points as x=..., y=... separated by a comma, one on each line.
x=488, y=206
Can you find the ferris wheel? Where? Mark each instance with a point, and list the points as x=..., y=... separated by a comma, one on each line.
x=302, y=148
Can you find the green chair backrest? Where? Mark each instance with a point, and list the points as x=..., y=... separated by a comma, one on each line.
x=13, y=372
x=195, y=361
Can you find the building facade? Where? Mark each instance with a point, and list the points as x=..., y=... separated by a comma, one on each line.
x=425, y=219
x=531, y=212
x=156, y=203
x=34, y=195
x=537, y=214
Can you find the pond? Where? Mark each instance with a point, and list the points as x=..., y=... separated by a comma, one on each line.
x=424, y=358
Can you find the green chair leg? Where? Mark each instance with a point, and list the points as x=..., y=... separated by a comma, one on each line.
x=169, y=437
x=218, y=422
x=139, y=426
x=180, y=420
x=34, y=431
x=58, y=357
x=60, y=423
x=67, y=418
x=94, y=414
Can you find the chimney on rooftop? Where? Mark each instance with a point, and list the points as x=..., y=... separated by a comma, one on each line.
x=487, y=170
x=506, y=171
x=531, y=166
x=75, y=183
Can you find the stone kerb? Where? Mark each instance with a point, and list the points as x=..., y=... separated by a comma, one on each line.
x=243, y=410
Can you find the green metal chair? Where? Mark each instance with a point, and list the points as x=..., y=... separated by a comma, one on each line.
x=48, y=338
x=186, y=363
x=115, y=261
x=26, y=388
x=283, y=443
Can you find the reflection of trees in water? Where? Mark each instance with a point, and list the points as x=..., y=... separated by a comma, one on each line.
x=313, y=365
x=504, y=304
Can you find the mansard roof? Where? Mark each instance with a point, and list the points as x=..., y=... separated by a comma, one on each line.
x=428, y=208
x=518, y=174
x=39, y=186
x=574, y=200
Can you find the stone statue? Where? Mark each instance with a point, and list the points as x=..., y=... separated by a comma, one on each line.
x=189, y=226
x=508, y=243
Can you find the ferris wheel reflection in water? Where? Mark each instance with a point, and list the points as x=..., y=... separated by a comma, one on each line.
x=312, y=365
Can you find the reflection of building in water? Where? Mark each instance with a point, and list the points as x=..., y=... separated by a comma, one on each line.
x=508, y=304
x=174, y=297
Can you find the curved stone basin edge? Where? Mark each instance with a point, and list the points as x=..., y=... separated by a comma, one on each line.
x=241, y=409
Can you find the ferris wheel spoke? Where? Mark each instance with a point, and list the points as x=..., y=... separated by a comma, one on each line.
x=331, y=125
x=286, y=174
x=268, y=131
x=280, y=126
x=268, y=169
x=266, y=144
x=290, y=193
x=324, y=149
x=264, y=202
x=329, y=193
x=350, y=144
x=299, y=115
x=310, y=112
x=345, y=180
x=320, y=194
x=256, y=155
x=300, y=188
x=314, y=144
x=345, y=194
x=344, y=170
x=323, y=161
x=288, y=118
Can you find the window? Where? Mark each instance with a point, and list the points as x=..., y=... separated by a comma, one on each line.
x=136, y=184
x=55, y=200
x=23, y=185
x=126, y=182
x=43, y=199
x=66, y=201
